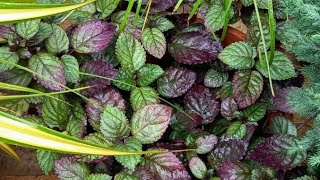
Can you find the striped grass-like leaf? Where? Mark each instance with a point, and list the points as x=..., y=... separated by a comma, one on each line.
x=6, y=148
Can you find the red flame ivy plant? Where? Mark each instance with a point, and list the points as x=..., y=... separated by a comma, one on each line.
x=171, y=86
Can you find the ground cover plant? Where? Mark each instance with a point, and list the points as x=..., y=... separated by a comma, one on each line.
x=165, y=89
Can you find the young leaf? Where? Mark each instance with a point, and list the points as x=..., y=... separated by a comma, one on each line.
x=130, y=52
x=140, y=97
x=162, y=23
x=166, y=166
x=148, y=74
x=175, y=82
x=152, y=118
x=194, y=48
x=130, y=161
x=77, y=120
x=68, y=168
x=71, y=68
x=125, y=79
x=46, y=160
x=281, y=67
x=92, y=36
x=48, y=67
x=206, y=143
x=255, y=112
x=282, y=126
x=7, y=59
x=58, y=41
x=197, y=167
x=108, y=96
x=55, y=113
x=154, y=42
x=247, y=87
x=201, y=101
x=239, y=55
x=228, y=150
x=106, y=7
x=44, y=32
x=114, y=123
x=229, y=108
x=237, y=129
x=215, y=79
x=27, y=29
x=231, y=170
x=99, y=177
x=273, y=152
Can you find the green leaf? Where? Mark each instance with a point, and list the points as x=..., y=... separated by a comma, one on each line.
x=106, y=7
x=71, y=68
x=15, y=107
x=125, y=79
x=16, y=77
x=152, y=118
x=125, y=176
x=226, y=90
x=239, y=55
x=130, y=52
x=140, y=97
x=43, y=33
x=247, y=87
x=255, y=112
x=47, y=67
x=58, y=40
x=77, y=120
x=27, y=29
x=149, y=73
x=262, y=4
x=215, y=79
x=281, y=67
x=114, y=123
x=6, y=57
x=215, y=17
x=247, y=2
x=130, y=161
x=46, y=160
x=99, y=177
x=55, y=113
x=68, y=168
x=237, y=129
x=197, y=167
x=282, y=126
x=154, y=42
x=162, y=23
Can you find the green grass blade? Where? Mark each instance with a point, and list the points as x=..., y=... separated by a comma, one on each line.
x=176, y=7
x=264, y=46
x=272, y=28
x=136, y=16
x=227, y=6
x=194, y=8
x=126, y=16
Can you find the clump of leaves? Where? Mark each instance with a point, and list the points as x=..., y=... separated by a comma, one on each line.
x=158, y=80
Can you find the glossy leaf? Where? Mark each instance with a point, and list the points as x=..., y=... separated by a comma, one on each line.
x=239, y=55
x=247, y=87
x=130, y=52
x=200, y=101
x=175, y=82
x=71, y=68
x=27, y=29
x=255, y=112
x=197, y=167
x=148, y=74
x=152, y=118
x=48, y=67
x=92, y=36
x=68, y=168
x=273, y=152
x=154, y=42
x=194, y=48
x=46, y=160
x=215, y=79
x=7, y=59
x=106, y=7
x=231, y=170
x=140, y=97
x=58, y=40
x=237, y=129
x=114, y=123
x=229, y=108
x=130, y=161
x=281, y=67
x=166, y=166
x=282, y=126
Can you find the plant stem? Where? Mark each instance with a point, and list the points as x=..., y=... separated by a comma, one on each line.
x=147, y=14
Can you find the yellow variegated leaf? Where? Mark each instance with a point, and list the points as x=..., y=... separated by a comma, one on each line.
x=17, y=131
x=6, y=148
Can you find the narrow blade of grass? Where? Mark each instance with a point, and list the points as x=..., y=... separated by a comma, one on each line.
x=6, y=148
x=147, y=14
x=195, y=7
x=136, y=16
x=227, y=6
x=272, y=28
x=176, y=7
x=126, y=16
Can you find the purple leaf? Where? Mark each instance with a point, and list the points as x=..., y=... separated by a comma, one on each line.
x=161, y=5
x=201, y=101
x=280, y=101
x=108, y=96
x=98, y=67
x=175, y=82
x=206, y=143
x=69, y=168
x=234, y=171
x=180, y=121
x=247, y=87
x=144, y=173
x=194, y=48
x=92, y=36
x=229, y=108
x=197, y=167
x=273, y=152
x=6, y=31
x=228, y=150
x=165, y=166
